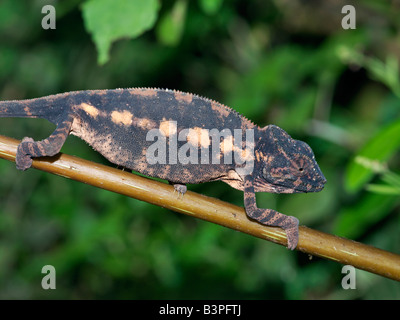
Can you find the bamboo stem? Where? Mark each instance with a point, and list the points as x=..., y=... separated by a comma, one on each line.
x=312, y=242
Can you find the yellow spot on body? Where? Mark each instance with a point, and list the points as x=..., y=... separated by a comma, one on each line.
x=124, y=117
x=89, y=109
x=183, y=97
x=144, y=123
x=259, y=155
x=245, y=155
x=28, y=111
x=222, y=111
x=297, y=182
x=99, y=92
x=226, y=145
x=198, y=137
x=143, y=92
x=168, y=128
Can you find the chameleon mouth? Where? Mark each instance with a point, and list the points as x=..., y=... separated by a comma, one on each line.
x=313, y=187
x=263, y=186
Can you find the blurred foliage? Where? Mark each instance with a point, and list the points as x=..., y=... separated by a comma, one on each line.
x=284, y=62
x=391, y=180
x=109, y=20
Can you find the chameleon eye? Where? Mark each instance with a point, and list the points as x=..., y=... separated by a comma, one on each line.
x=300, y=167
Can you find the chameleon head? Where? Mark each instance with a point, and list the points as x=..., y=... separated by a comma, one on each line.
x=286, y=165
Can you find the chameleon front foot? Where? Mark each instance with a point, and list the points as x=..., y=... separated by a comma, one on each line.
x=270, y=217
x=292, y=232
x=273, y=218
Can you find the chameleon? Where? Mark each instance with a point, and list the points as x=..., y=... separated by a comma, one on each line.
x=179, y=137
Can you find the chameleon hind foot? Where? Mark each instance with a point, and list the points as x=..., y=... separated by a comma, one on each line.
x=180, y=188
x=23, y=159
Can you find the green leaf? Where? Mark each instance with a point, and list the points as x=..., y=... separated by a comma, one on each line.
x=392, y=179
x=110, y=20
x=383, y=189
x=387, y=73
x=210, y=7
x=353, y=221
x=169, y=30
x=381, y=147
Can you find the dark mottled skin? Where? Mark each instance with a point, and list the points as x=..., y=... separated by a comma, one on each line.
x=115, y=123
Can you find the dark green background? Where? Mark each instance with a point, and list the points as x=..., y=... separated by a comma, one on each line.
x=289, y=63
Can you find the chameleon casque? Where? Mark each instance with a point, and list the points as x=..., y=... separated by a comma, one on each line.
x=117, y=123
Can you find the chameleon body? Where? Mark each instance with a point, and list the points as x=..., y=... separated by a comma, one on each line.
x=171, y=135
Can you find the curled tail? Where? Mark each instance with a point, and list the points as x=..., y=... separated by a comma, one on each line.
x=52, y=108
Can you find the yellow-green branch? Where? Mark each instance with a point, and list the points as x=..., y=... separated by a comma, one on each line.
x=311, y=241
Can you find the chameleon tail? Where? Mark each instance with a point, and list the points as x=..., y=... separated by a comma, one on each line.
x=32, y=108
